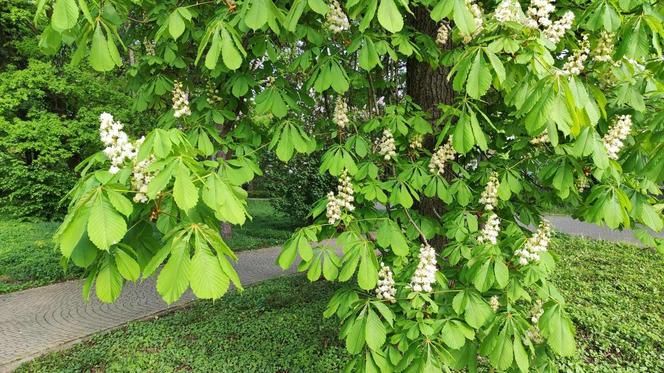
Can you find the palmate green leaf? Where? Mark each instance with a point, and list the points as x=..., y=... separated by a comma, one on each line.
x=65, y=15
x=389, y=234
x=355, y=338
x=374, y=332
x=367, y=275
x=176, y=24
x=226, y=200
x=173, y=280
x=185, y=192
x=318, y=6
x=558, y=330
x=100, y=56
x=389, y=16
x=258, y=14
x=463, y=139
x=229, y=52
x=85, y=252
x=72, y=229
x=501, y=356
x=207, y=279
x=479, y=77
x=213, y=53
x=127, y=265
x=452, y=335
x=106, y=226
x=108, y=285
x=120, y=202
x=521, y=356
x=463, y=18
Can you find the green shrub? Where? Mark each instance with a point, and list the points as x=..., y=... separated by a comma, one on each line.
x=48, y=118
x=615, y=297
x=296, y=185
x=28, y=257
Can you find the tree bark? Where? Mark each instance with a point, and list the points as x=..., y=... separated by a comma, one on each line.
x=428, y=87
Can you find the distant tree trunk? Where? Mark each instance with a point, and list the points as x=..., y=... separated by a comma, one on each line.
x=428, y=87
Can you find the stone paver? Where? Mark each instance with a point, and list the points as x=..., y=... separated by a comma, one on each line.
x=36, y=321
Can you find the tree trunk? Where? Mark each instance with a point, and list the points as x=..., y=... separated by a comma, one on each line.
x=428, y=87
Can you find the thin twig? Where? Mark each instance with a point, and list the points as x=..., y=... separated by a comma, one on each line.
x=416, y=227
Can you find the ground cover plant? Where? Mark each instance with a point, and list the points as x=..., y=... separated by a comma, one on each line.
x=277, y=326
x=28, y=257
x=463, y=117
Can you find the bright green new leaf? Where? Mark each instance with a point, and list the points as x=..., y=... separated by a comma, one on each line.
x=100, y=56
x=127, y=266
x=207, y=279
x=479, y=78
x=109, y=281
x=185, y=192
x=229, y=53
x=106, y=226
x=173, y=280
x=175, y=24
x=65, y=15
x=389, y=16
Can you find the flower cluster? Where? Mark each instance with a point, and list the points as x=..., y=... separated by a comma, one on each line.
x=575, y=63
x=213, y=94
x=118, y=147
x=557, y=30
x=385, y=286
x=443, y=35
x=476, y=11
x=494, y=303
x=538, y=13
x=416, y=142
x=541, y=139
x=341, y=113
x=613, y=140
x=582, y=184
x=140, y=178
x=333, y=212
x=603, y=52
x=442, y=155
x=490, y=230
x=345, y=191
x=337, y=21
x=535, y=245
x=386, y=146
x=536, y=312
x=180, y=100
x=489, y=196
x=509, y=11
x=149, y=47
x=343, y=200
x=425, y=274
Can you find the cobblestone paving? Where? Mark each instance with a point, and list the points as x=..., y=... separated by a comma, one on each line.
x=35, y=321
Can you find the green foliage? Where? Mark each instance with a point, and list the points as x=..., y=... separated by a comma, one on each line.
x=613, y=294
x=295, y=186
x=277, y=325
x=28, y=257
x=272, y=327
x=48, y=119
x=528, y=117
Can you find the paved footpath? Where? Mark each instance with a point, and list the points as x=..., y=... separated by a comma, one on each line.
x=49, y=318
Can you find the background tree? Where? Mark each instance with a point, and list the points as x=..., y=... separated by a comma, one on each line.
x=466, y=120
x=48, y=113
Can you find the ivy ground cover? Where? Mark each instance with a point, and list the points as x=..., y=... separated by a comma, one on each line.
x=615, y=296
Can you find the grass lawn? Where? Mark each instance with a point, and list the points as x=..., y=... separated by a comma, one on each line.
x=615, y=295
x=28, y=259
